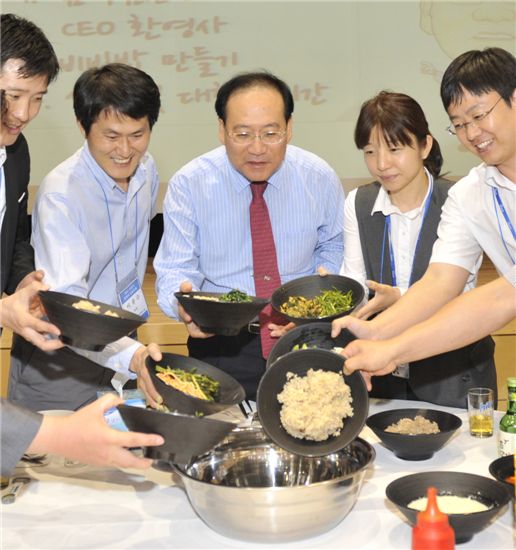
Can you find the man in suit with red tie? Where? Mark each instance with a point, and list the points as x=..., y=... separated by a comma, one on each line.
x=251, y=215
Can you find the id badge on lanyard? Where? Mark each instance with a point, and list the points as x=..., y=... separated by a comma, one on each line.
x=130, y=295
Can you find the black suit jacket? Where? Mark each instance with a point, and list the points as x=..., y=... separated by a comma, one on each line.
x=17, y=256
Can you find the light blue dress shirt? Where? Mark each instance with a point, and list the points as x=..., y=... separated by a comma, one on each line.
x=207, y=237
x=72, y=241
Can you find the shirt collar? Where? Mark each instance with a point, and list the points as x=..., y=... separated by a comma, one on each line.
x=494, y=178
x=384, y=205
x=3, y=155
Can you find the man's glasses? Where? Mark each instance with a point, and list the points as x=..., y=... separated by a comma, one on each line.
x=454, y=129
x=268, y=138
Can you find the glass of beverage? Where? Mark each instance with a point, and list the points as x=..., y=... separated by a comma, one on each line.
x=480, y=412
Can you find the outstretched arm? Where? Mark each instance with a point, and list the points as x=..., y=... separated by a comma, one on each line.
x=465, y=319
x=85, y=436
x=440, y=284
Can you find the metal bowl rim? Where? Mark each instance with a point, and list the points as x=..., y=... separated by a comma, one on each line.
x=178, y=469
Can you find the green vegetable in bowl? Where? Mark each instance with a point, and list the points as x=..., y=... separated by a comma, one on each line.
x=235, y=296
x=189, y=382
x=298, y=347
x=326, y=304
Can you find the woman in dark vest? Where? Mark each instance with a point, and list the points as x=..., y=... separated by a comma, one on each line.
x=390, y=227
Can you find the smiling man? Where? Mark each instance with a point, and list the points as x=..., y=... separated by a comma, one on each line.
x=208, y=241
x=91, y=233
x=28, y=65
x=478, y=91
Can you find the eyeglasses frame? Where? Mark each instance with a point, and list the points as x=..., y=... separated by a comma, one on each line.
x=282, y=135
x=453, y=130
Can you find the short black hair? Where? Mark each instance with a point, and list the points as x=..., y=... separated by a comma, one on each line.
x=22, y=39
x=479, y=72
x=250, y=80
x=115, y=87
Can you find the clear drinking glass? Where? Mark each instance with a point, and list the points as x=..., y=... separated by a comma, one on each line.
x=480, y=412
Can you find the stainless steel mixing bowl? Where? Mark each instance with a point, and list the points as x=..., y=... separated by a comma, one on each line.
x=250, y=489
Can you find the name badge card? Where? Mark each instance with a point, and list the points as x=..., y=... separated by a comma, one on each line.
x=130, y=295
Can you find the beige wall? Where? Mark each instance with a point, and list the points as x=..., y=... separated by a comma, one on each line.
x=327, y=51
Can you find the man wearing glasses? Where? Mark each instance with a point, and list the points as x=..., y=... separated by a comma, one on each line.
x=208, y=241
x=478, y=91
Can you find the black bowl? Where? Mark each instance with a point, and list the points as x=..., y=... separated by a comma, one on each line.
x=85, y=329
x=299, y=362
x=414, y=447
x=312, y=286
x=404, y=490
x=185, y=436
x=314, y=335
x=223, y=318
x=230, y=392
x=501, y=469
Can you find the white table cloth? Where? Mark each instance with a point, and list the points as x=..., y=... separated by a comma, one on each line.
x=83, y=507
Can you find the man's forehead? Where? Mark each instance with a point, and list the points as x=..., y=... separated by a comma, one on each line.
x=469, y=100
x=115, y=119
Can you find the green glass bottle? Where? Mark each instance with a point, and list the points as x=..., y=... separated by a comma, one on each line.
x=507, y=432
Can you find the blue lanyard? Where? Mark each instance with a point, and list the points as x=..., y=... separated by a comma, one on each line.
x=497, y=199
x=387, y=229
x=111, y=231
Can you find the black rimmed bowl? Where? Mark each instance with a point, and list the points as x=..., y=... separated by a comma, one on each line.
x=299, y=362
x=414, y=447
x=185, y=436
x=85, y=329
x=406, y=489
x=501, y=469
x=230, y=391
x=310, y=287
x=222, y=318
x=312, y=335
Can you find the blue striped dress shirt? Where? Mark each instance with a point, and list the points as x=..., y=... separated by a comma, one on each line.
x=72, y=241
x=207, y=238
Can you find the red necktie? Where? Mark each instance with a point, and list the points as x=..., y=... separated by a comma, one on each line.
x=265, y=264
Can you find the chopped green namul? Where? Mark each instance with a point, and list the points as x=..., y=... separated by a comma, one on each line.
x=205, y=384
x=327, y=303
x=235, y=296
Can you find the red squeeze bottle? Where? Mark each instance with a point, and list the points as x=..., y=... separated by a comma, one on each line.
x=432, y=532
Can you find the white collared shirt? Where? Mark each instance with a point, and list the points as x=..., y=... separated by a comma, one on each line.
x=471, y=223
x=405, y=228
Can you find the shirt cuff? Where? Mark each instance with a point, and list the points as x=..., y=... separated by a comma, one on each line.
x=121, y=355
x=19, y=428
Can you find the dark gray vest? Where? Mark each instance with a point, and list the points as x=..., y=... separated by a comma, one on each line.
x=444, y=378
x=371, y=229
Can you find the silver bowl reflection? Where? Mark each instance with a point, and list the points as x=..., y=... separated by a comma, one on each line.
x=248, y=488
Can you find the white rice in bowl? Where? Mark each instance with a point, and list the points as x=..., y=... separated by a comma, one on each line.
x=314, y=406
